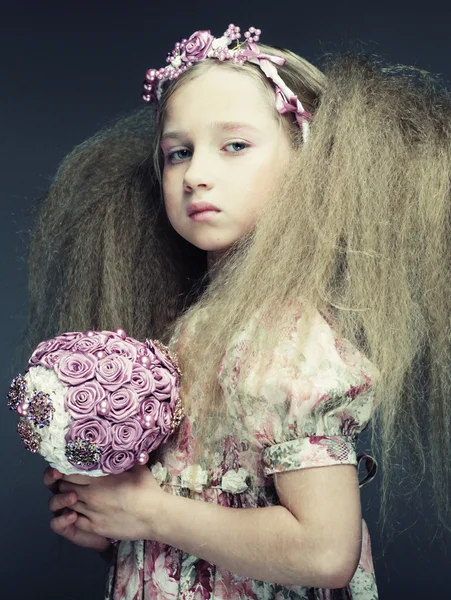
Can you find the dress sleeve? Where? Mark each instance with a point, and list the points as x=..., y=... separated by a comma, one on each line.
x=318, y=400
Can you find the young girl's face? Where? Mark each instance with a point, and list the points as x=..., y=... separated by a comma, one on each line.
x=222, y=146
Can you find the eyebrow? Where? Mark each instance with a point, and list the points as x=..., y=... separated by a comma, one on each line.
x=222, y=125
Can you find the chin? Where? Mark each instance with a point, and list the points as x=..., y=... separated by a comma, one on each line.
x=213, y=249
x=210, y=246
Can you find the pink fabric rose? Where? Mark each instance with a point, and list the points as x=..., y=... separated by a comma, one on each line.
x=144, y=350
x=164, y=419
x=92, y=343
x=160, y=357
x=151, y=440
x=123, y=404
x=50, y=359
x=150, y=408
x=75, y=368
x=197, y=46
x=42, y=349
x=82, y=399
x=121, y=348
x=126, y=435
x=163, y=382
x=113, y=371
x=94, y=428
x=141, y=381
x=117, y=461
x=67, y=340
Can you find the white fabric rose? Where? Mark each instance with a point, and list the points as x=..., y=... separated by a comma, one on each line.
x=220, y=42
x=159, y=472
x=53, y=444
x=234, y=482
x=200, y=480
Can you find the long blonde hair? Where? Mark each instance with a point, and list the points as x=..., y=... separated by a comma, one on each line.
x=359, y=225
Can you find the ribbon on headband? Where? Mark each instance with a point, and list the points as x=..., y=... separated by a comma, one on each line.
x=286, y=100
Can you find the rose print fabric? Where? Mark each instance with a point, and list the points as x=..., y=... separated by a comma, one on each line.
x=306, y=412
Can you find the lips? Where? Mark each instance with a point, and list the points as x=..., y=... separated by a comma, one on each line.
x=197, y=207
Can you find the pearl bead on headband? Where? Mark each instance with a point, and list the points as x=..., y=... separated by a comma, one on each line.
x=202, y=45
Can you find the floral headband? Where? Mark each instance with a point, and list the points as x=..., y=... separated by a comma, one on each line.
x=202, y=45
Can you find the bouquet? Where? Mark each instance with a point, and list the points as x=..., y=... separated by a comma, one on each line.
x=97, y=402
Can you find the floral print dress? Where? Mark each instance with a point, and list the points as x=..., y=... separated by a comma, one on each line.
x=328, y=389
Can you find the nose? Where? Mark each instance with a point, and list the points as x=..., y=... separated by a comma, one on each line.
x=197, y=175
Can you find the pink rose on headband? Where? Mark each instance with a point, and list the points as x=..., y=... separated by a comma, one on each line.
x=197, y=46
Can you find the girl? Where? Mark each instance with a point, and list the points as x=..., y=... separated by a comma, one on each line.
x=286, y=232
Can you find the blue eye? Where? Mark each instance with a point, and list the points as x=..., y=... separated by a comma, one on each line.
x=177, y=156
x=172, y=156
x=238, y=144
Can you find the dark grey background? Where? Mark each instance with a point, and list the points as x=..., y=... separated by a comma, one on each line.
x=66, y=69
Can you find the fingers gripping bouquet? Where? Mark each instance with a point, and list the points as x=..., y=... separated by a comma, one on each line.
x=97, y=402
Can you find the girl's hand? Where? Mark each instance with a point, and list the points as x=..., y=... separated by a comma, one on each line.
x=64, y=521
x=123, y=507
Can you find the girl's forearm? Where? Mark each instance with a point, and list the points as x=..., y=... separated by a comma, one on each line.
x=267, y=544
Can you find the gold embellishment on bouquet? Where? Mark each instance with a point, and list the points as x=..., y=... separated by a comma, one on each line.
x=17, y=391
x=41, y=410
x=29, y=436
x=166, y=353
x=83, y=453
x=179, y=414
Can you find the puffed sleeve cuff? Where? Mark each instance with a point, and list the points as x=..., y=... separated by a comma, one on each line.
x=317, y=451
x=311, y=451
